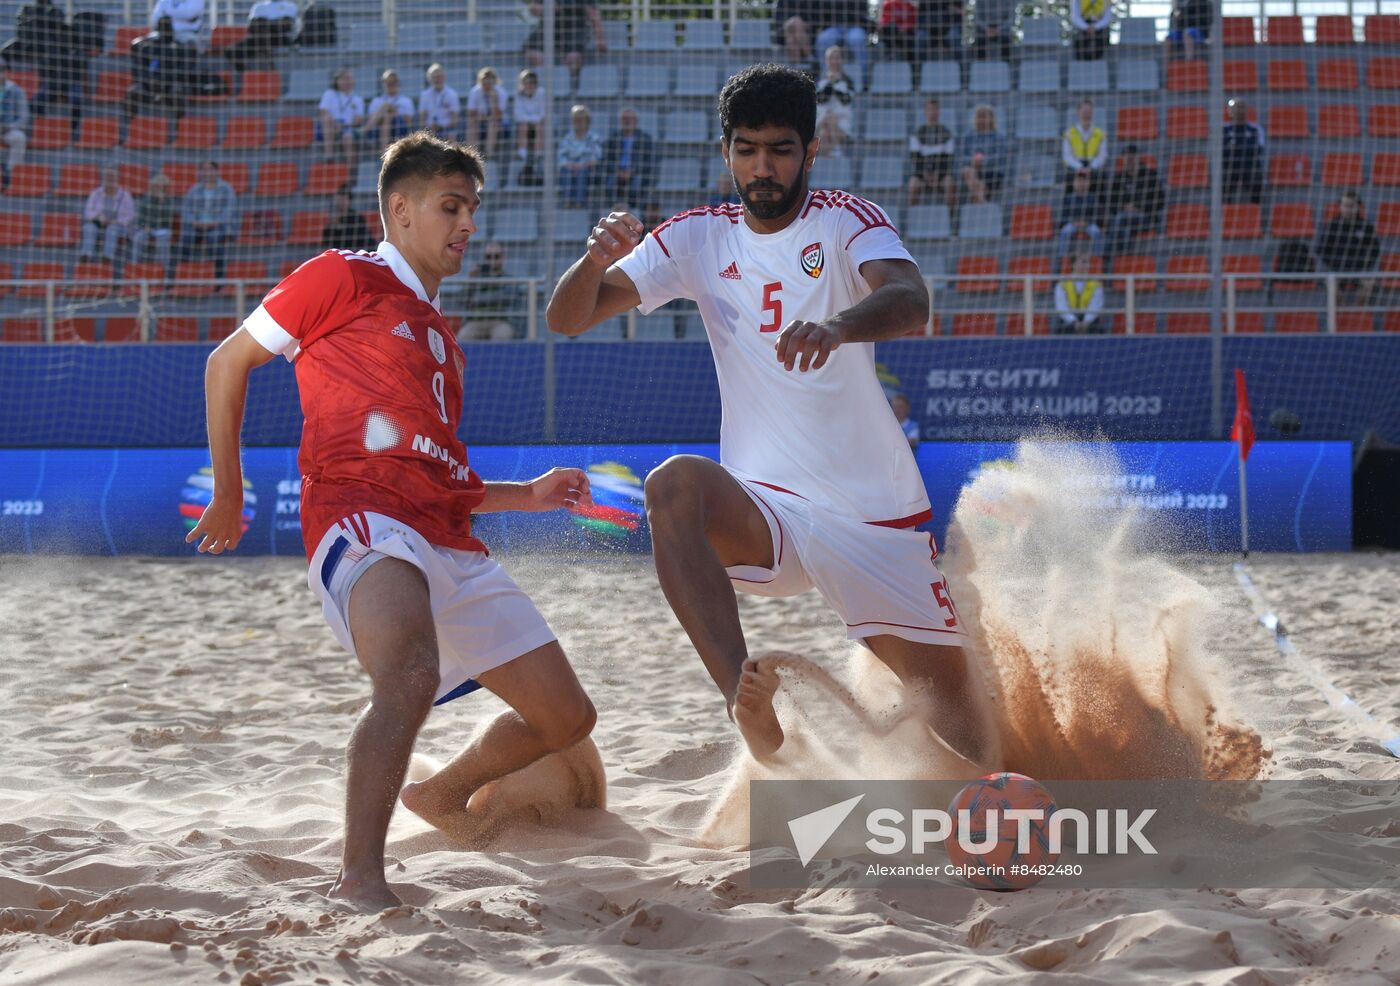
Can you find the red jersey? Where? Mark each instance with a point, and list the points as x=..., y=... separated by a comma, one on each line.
x=380, y=377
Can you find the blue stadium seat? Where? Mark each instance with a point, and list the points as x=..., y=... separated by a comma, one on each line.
x=424, y=36
x=597, y=81
x=882, y=173
x=363, y=35
x=679, y=175
x=686, y=127
x=654, y=36
x=1138, y=75
x=572, y=225
x=697, y=80
x=367, y=178
x=466, y=38
x=833, y=172
x=704, y=35
x=516, y=225
x=980, y=222
x=1040, y=75
x=648, y=81
x=936, y=77
x=1137, y=31
x=615, y=34
x=308, y=84
x=1040, y=32
x=886, y=124
x=751, y=35
x=1088, y=76
x=928, y=222
x=989, y=77
x=892, y=78
x=1036, y=121
x=509, y=36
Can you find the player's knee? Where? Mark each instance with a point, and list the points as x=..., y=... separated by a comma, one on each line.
x=572, y=724
x=411, y=684
x=673, y=490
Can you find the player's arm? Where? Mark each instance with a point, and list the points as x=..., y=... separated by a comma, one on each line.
x=557, y=488
x=225, y=390
x=594, y=289
x=897, y=306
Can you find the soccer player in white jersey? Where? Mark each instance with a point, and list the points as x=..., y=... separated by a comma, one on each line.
x=816, y=484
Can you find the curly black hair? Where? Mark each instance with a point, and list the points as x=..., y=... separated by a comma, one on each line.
x=769, y=95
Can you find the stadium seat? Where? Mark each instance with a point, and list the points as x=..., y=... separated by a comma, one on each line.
x=516, y=226
x=1241, y=221
x=245, y=133
x=375, y=222
x=121, y=330
x=98, y=133
x=1288, y=121
x=883, y=173
x=681, y=175
x=1137, y=123
x=58, y=229
x=1292, y=220
x=236, y=174
x=7, y=273
x=22, y=330
x=194, y=133
x=928, y=222
x=1385, y=170
x=1189, y=264
x=77, y=180
x=1187, y=123
x=1284, y=30
x=182, y=175
x=167, y=329
x=30, y=181
x=1295, y=321
x=1144, y=323
x=147, y=133
x=1037, y=121
x=696, y=80
x=1136, y=265
x=1391, y=321
x=686, y=127
x=1383, y=73
x=1246, y=323
x=1287, y=75
x=974, y=324
x=15, y=228
x=1137, y=32
x=50, y=133
x=111, y=87
x=1334, y=29
x=989, y=77
x=600, y=81
x=252, y=271
x=1032, y=222
x=226, y=36
x=1237, y=32
x=936, y=77
x=1382, y=29
x=891, y=79
x=974, y=266
x=307, y=229
x=1338, y=120
x=658, y=35
x=1290, y=171
x=261, y=227
x=751, y=35
x=277, y=179
x=222, y=328
x=260, y=86
x=1039, y=267
x=831, y=173
x=1383, y=120
x=1341, y=170
x=135, y=178
x=1354, y=321
x=1388, y=219
x=1138, y=75
x=1246, y=263
x=87, y=278
x=1240, y=75
x=134, y=273
x=424, y=36
x=1041, y=32
x=189, y=271
x=981, y=222
x=40, y=271
x=127, y=33
x=1095, y=265
x=1184, y=76
x=1337, y=74
x=326, y=177
x=1188, y=171
x=1188, y=323
x=886, y=124
x=648, y=82
x=1088, y=76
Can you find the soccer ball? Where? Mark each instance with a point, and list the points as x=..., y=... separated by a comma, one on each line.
x=1003, y=865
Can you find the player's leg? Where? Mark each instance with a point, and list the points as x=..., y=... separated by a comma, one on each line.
x=703, y=522
x=549, y=713
x=939, y=675
x=391, y=622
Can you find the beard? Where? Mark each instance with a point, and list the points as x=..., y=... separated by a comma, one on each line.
x=769, y=208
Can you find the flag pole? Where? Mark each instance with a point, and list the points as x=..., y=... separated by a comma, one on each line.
x=1242, y=431
x=1244, y=512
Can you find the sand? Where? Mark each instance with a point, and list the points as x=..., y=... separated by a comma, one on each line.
x=173, y=734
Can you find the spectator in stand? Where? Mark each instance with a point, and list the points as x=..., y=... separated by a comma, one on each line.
x=14, y=121
x=439, y=107
x=486, y=112
x=573, y=21
x=528, y=112
x=944, y=20
x=109, y=212
x=1085, y=146
x=1079, y=300
x=1243, y=156
x=391, y=113
x=724, y=190
x=187, y=16
x=1348, y=245
x=348, y=230
x=162, y=69
x=206, y=217
x=44, y=39
x=985, y=155
x=1190, y=25
x=847, y=22
x=580, y=153
x=991, y=25
x=1090, y=20
x=835, y=92
x=793, y=24
x=339, y=117
x=272, y=26
x=1080, y=214
x=1135, y=201
x=630, y=162
x=155, y=218
x=899, y=404
x=931, y=159
x=492, y=302
x=899, y=29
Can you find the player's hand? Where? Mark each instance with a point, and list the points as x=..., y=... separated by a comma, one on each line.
x=807, y=345
x=560, y=487
x=220, y=528
x=615, y=236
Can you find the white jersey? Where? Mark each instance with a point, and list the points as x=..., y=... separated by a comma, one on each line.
x=828, y=435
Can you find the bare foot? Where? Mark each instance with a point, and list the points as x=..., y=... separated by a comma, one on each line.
x=426, y=800
x=753, y=707
x=366, y=893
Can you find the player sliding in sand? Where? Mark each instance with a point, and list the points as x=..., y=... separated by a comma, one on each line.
x=386, y=504
x=816, y=484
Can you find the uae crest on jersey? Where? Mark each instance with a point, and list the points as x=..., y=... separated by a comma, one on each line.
x=435, y=343
x=812, y=260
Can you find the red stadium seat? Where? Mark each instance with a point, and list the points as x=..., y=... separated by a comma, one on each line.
x=254, y=272
x=1240, y=75
x=1388, y=219
x=325, y=177
x=111, y=87
x=222, y=328
x=1391, y=321
x=1188, y=171
x=973, y=266
x=227, y=35
x=292, y=133
x=1288, y=121
x=1246, y=323
x=307, y=229
x=1187, y=123
x=277, y=178
x=974, y=324
x=375, y=222
x=1247, y=263
x=1341, y=170
x=28, y=181
x=260, y=86
x=1334, y=29
x=40, y=271
x=1184, y=76
x=1285, y=30
x=1292, y=220
x=22, y=330
x=1144, y=323
x=1382, y=29
x=261, y=227
x=1287, y=75
x=188, y=271
x=15, y=228
x=176, y=330
x=245, y=133
x=1338, y=120
x=58, y=229
x=51, y=133
x=1032, y=222
x=1137, y=266
x=1354, y=321
x=182, y=175
x=1290, y=171
x=148, y=133
x=1385, y=169
x=98, y=133
x=1237, y=31
x=1187, y=323
x=136, y=272
x=196, y=132
x=1383, y=73
x=1383, y=120
x=236, y=174
x=121, y=330
x=1189, y=264
x=1241, y=222
x=7, y=273
x=1337, y=74
x=1137, y=123
x=77, y=180
x=1038, y=267
x=87, y=280
x=1187, y=221
x=127, y=33
x=1295, y=321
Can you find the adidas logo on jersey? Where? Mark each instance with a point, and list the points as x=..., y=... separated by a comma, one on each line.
x=732, y=271
x=404, y=332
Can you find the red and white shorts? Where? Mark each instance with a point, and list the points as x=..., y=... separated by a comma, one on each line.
x=483, y=619
x=879, y=580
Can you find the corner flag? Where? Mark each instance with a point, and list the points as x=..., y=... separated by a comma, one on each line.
x=1242, y=431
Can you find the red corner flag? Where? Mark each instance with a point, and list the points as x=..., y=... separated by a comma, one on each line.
x=1243, y=429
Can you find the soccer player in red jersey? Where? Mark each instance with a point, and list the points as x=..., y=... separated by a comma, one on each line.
x=386, y=502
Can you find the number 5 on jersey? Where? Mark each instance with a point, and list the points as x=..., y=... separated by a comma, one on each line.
x=772, y=304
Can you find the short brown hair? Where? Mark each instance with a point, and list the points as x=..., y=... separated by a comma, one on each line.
x=423, y=155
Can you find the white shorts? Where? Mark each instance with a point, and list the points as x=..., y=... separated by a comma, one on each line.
x=483, y=618
x=879, y=580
